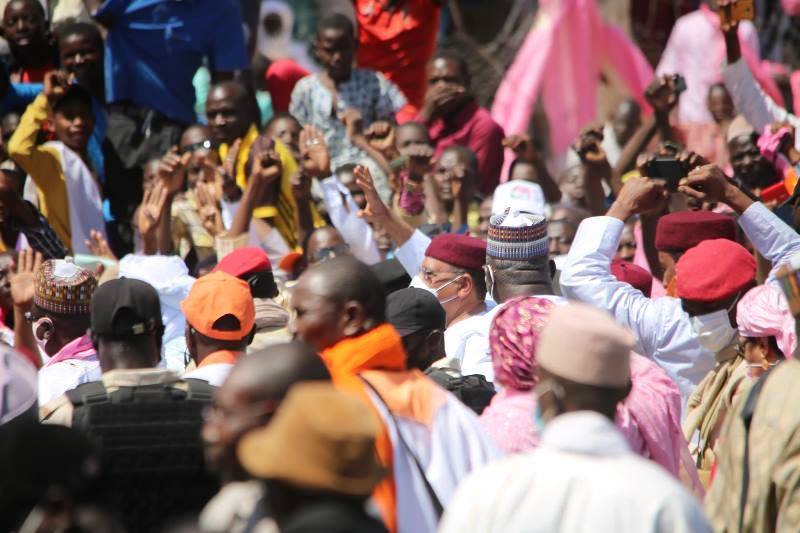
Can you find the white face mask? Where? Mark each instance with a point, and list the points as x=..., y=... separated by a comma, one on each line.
x=417, y=282
x=714, y=331
x=560, y=261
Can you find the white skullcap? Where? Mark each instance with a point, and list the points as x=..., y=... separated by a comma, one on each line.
x=518, y=195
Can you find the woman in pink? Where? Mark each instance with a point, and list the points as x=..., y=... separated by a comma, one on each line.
x=649, y=417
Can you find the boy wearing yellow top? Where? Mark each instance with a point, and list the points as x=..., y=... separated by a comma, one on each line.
x=69, y=195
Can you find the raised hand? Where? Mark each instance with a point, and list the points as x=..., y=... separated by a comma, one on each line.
x=662, y=94
x=706, y=184
x=98, y=245
x=639, y=195
x=21, y=275
x=315, y=159
x=152, y=209
x=229, y=165
x=375, y=208
x=56, y=83
x=354, y=123
x=440, y=98
x=267, y=168
x=208, y=208
x=419, y=159
x=589, y=147
x=381, y=135
x=522, y=146
x=172, y=170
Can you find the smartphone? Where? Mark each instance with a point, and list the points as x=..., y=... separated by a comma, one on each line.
x=668, y=169
x=738, y=11
x=680, y=83
x=743, y=10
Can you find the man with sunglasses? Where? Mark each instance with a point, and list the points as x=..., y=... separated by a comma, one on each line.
x=453, y=272
x=247, y=399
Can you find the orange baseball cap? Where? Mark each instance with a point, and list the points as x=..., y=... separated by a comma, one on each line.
x=219, y=295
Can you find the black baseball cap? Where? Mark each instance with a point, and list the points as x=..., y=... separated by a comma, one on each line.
x=125, y=307
x=411, y=310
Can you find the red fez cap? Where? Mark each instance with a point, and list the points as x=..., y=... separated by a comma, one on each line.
x=677, y=232
x=243, y=261
x=714, y=270
x=633, y=275
x=460, y=251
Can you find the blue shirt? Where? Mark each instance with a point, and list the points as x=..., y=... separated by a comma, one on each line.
x=154, y=48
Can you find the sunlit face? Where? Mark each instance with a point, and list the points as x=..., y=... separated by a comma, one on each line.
x=227, y=113
x=626, y=250
x=572, y=185
x=317, y=320
x=484, y=214
x=335, y=50
x=449, y=175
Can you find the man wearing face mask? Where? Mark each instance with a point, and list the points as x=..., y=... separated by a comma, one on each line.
x=688, y=334
x=452, y=271
x=60, y=319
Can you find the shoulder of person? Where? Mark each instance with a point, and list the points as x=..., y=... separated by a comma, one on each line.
x=57, y=411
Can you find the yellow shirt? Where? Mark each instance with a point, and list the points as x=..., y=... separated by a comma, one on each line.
x=283, y=213
x=43, y=164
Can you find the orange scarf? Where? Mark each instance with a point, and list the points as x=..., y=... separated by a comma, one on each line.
x=380, y=348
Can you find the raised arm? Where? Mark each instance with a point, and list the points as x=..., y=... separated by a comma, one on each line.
x=748, y=97
x=771, y=237
x=40, y=162
x=587, y=274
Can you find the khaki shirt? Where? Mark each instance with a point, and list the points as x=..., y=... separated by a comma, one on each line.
x=773, y=496
x=59, y=411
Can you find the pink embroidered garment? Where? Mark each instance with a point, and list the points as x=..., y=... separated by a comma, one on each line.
x=562, y=60
x=649, y=417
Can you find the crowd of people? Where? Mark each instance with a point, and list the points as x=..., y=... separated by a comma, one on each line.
x=252, y=284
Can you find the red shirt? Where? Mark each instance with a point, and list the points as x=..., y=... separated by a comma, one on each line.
x=281, y=77
x=399, y=42
x=474, y=128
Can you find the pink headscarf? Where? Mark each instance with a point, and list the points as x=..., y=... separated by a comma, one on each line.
x=513, y=338
x=763, y=312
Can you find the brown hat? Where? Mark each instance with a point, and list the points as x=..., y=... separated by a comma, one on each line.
x=319, y=439
x=585, y=345
x=60, y=286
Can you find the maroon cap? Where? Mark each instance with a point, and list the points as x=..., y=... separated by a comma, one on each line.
x=244, y=261
x=677, y=232
x=460, y=251
x=633, y=275
x=714, y=270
